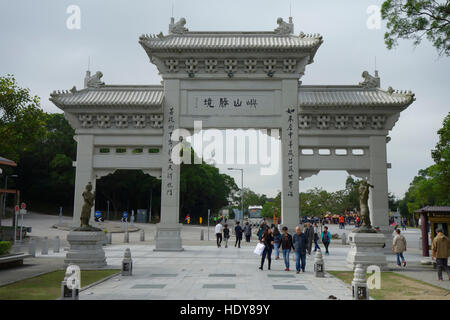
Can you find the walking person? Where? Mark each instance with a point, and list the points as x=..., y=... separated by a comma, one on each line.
x=341, y=222
x=247, y=231
x=316, y=237
x=260, y=231
x=326, y=239
x=299, y=242
x=276, y=242
x=238, y=233
x=399, y=246
x=218, y=230
x=226, y=235
x=286, y=246
x=440, y=250
x=267, y=240
x=403, y=222
x=309, y=234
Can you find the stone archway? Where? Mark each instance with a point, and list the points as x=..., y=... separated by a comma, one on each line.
x=233, y=80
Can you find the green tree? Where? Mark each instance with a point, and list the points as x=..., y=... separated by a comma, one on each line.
x=128, y=190
x=251, y=198
x=416, y=19
x=393, y=202
x=21, y=119
x=271, y=206
x=432, y=185
x=441, y=156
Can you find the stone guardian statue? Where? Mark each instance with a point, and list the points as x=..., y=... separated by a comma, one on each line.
x=366, y=227
x=89, y=198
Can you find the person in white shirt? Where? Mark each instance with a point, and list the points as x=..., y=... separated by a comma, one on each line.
x=218, y=230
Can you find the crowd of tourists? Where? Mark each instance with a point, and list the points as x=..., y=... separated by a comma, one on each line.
x=274, y=240
x=347, y=218
x=301, y=242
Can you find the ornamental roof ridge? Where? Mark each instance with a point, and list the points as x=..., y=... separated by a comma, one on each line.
x=180, y=38
x=325, y=87
x=109, y=95
x=352, y=95
x=111, y=87
x=223, y=34
x=370, y=83
x=161, y=36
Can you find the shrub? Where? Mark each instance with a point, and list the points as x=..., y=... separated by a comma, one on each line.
x=5, y=246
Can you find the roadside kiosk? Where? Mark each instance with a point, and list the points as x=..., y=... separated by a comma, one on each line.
x=437, y=217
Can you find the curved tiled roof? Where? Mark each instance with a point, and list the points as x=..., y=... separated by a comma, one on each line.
x=110, y=96
x=230, y=41
x=434, y=209
x=329, y=96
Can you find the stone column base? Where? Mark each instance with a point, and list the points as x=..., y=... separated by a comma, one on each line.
x=168, y=237
x=366, y=249
x=387, y=231
x=86, y=249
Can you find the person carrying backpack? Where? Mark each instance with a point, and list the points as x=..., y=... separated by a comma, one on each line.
x=326, y=239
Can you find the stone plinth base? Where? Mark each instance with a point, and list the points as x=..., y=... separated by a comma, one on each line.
x=86, y=249
x=168, y=237
x=387, y=231
x=366, y=249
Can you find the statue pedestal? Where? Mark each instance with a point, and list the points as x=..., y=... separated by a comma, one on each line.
x=168, y=237
x=387, y=231
x=366, y=249
x=86, y=249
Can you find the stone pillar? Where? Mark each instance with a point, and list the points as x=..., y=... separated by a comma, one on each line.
x=378, y=196
x=168, y=233
x=424, y=229
x=289, y=159
x=84, y=173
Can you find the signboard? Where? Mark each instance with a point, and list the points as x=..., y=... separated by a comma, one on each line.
x=231, y=103
x=16, y=209
x=23, y=205
x=23, y=211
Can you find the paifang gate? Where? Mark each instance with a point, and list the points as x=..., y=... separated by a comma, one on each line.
x=233, y=80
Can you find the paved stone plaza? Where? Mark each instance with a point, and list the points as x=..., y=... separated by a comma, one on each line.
x=206, y=272
x=203, y=271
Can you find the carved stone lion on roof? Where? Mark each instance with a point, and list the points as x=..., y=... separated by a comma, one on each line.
x=369, y=81
x=178, y=27
x=284, y=27
x=94, y=81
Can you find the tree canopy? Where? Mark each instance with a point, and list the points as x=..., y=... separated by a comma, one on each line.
x=432, y=185
x=22, y=120
x=416, y=19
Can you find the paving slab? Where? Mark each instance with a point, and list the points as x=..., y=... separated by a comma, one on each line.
x=197, y=273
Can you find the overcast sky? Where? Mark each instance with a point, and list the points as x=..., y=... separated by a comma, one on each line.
x=44, y=55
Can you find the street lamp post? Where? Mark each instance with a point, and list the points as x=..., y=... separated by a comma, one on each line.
x=242, y=189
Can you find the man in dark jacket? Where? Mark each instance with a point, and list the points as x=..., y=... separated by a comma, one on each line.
x=247, y=231
x=286, y=246
x=299, y=242
x=238, y=231
x=309, y=234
